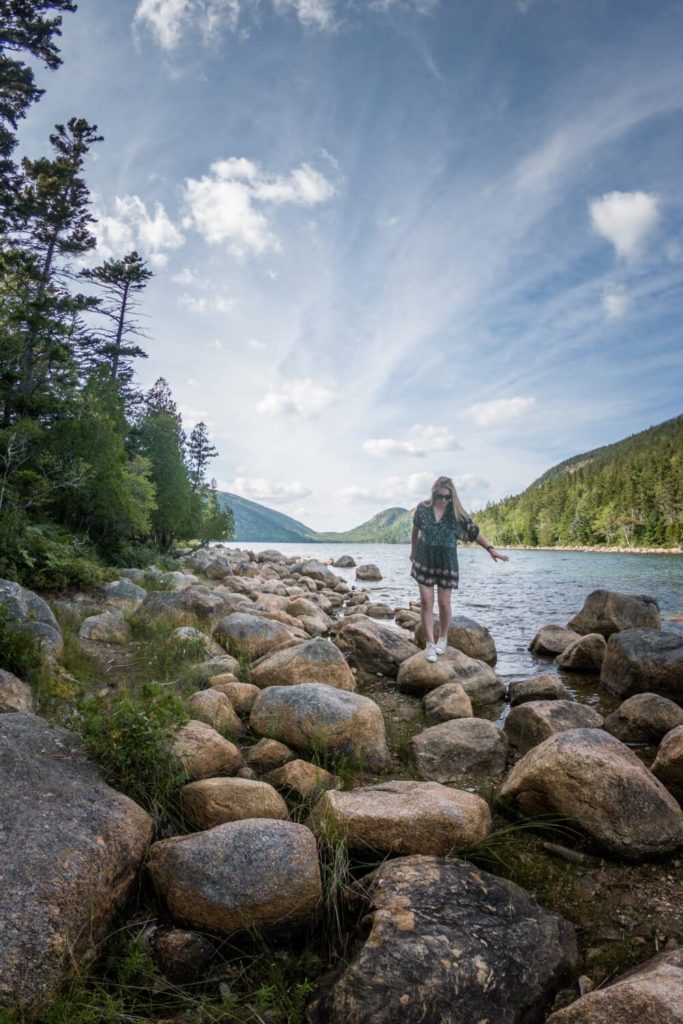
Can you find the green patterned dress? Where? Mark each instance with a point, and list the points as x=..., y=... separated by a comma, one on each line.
x=436, y=552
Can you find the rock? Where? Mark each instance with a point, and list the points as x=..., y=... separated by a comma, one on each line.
x=242, y=875
x=303, y=778
x=70, y=860
x=668, y=766
x=447, y=702
x=314, y=661
x=378, y=611
x=537, y=688
x=323, y=719
x=345, y=562
x=584, y=655
x=374, y=647
x=450, y=944
x=212, y=802
x=644, y=661
x=178, y=605
x=529, y=724
x=403, y=818
x=182, y=955
x=14, y=695
x=628, y=814
x=240, y=695
x=644, y=718
x=124, y=592
x=190, y=641
x=316, y=571
x=607, y=612
x=649, y=994
x=24, y=611
x=250, y=635
x=202, y=752
x=368, y=573
x=214, y=708
x=464, y=752
x=109, y=627
x=465, y=635
x=406, y=619
x=267, y=754
x=207, y=670
x=418, y=676
x=552, y=640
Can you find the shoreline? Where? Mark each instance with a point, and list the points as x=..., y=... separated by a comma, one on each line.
x=595, y=549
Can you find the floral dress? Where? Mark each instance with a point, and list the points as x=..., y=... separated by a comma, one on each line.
x=436, y=552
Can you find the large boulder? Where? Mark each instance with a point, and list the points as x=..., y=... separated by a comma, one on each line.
x=584, y=655
x=314, y=661
x=211, y=802
x=595, y=783
x=192, y=643
x=316, y=571
x=644, y=661
x=368, y=573
x=250, y=635
x=607, y=612
x=302, y=779
x=108, y=627
x=466, y=635
x=240, y=695
x=464, y=751
x=14, y=695
x=201, y=752
x=372, y=646
x=668, y=766
x=551, y=640
x=124, y=592
x=544, y=687
x=242, y=875
x=214, y=708
x=322, y=719
x=530, y=724
x=179, y=605
x=71, y=853
x=267, y=755
x=644, y=718
x=345, y=562
x=418, y=676
x=447, y=702
x=24, y=611
x=450, y=944
x=403, y=817
x=649, y=994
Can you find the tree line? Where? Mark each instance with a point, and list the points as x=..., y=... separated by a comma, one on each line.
x=628, y=494
x=92, y=469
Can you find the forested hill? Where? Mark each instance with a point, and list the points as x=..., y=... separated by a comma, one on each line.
x=257, y=523
x=392, y=526
x=629, y=494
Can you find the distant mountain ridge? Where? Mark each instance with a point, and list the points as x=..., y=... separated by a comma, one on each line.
x=257, y=523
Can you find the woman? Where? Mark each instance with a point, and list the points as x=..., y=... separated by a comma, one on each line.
x=437, y=525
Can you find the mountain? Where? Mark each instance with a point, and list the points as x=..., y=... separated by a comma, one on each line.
x=392, y=526
x=628, y=494
x=256, y=522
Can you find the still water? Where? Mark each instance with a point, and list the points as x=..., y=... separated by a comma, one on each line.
x=514, y=599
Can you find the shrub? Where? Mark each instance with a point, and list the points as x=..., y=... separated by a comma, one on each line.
x=19, y=649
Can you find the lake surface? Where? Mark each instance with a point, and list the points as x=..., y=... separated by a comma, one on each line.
x=514, y=599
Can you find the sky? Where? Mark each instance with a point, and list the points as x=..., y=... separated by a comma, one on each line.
x=391, y=239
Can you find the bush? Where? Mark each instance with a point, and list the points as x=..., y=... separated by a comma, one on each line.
x=45, y=556
x=19, y=652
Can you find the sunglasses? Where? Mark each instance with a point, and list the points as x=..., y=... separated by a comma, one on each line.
x=441, y=497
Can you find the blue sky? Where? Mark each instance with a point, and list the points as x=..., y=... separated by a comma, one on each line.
x=392, y=239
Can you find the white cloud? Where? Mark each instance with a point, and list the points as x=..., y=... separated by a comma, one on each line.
x=311, y=13
x=225, y=206
x=131, y=226
x=615, y=303
x=625, y=219
x=301, y=396
x=168, y=19
x=270, y=491
x=207, y=304
x=256, y=344
x=421, y=440
x=407, y=490
x=498, y=412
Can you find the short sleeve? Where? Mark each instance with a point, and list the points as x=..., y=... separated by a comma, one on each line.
x=469, y=530
x=417, y=516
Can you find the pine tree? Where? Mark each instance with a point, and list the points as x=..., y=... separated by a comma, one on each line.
x=121, y=281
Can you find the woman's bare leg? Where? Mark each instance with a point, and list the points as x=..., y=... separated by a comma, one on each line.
x=445, y=612
x=427, y=611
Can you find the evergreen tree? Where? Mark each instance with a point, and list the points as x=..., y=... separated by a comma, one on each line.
x=121, y=281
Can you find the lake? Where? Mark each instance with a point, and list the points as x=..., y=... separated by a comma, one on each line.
x=514, y=599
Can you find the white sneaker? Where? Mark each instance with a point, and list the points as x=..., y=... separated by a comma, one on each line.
x=430, y=652
x=441, y=645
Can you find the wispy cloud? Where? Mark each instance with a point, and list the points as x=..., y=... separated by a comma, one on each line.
x=499, y=412
x=301, y=397
x=262, y=489
x=421, y=441
x=625, y=219
x=132, y=226
x=615, y=303
x=167, y=20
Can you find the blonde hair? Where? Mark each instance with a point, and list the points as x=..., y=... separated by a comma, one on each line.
x=445, y=481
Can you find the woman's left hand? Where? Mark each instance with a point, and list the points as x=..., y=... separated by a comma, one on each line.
x=497, y=557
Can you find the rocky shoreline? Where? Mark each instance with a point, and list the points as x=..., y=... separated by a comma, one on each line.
x=338, y=793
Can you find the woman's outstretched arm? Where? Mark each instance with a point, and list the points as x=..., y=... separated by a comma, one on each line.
x=495, y=555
